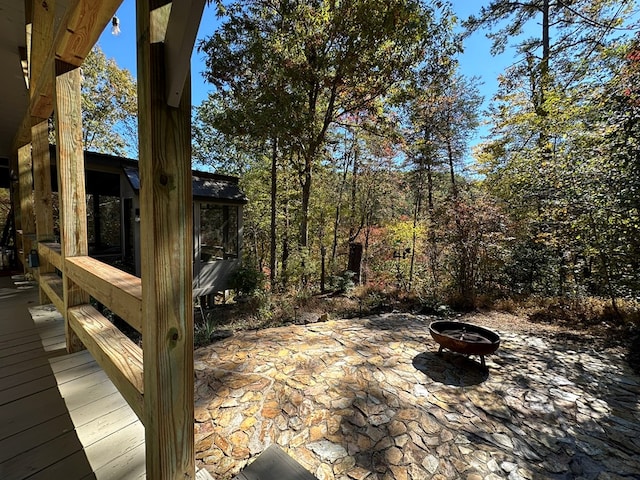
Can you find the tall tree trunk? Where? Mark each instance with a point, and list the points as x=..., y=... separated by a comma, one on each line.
x=337, y=217
x=433, y=244
x=284, y=276
x=306, y=198
x=416, y=216
x=323, y=254
x=365, y=255
x=452, y=173
x=273, y=261
x=352, y=207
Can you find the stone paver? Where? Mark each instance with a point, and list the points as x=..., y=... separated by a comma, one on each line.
x=370, y=399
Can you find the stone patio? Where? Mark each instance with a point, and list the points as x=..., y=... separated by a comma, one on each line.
x=370, y=399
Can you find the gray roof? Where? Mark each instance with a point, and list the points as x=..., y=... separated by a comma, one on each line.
x=206, y=186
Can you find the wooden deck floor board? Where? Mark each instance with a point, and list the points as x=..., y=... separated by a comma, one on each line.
x=92, y=387
x=130, y=466
x=26, y=389
x=22, y=357
x=34, y=436
x=92, y=432
x=113, y=446
x=30, y=411
x=73, y=467
x=16, y=338
x=88, y=413
x=82, y=370
x=30, y=346
x=60, y=416
x=25, y=376
x=69, y=361
x=41, y=457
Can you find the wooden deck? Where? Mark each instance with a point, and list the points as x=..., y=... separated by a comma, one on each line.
x=60, y=416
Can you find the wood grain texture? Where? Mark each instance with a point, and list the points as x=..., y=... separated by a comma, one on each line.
x=167, y=243
x=71, y=184
x=42, y=33
x=119, y=357
x=42, y=196
x=38, y=439
x=119, y=291
x=179, y=40
x=52, y=253
x=26, y=199
x=42, y=183
x=52, y=286
x=81, y=26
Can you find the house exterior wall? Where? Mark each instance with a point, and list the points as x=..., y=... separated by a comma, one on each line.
x=211, y=276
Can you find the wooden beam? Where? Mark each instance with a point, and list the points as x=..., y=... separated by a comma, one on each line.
x=71, y=185
x=119, y=357
x=42, y=32
x=23, y=135
x=25, y=179
x=119, y=291
x=180, y=38
x=42, y=180
x=52, y=253
x=79, y=30
x=167, y=245
x=42, y=196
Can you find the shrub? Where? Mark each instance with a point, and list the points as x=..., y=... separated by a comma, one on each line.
x=247, y=281
x=343, y=283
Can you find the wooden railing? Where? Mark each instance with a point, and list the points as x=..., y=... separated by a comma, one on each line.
x=165, y=202
x=118, y=356
x=118, y=291
x=51, y=252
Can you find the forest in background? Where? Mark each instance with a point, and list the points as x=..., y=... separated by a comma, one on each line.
x=349, y=126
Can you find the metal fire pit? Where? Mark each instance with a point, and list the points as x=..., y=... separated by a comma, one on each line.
x=465, y=338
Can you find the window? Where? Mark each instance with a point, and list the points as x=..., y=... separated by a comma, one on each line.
x=103, y=224
x=218, y=232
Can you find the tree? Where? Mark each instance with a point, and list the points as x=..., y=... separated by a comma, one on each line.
x=312, y=62
x=109, y=106
x=546, y=125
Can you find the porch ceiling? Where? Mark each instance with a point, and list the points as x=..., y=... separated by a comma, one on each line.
x=14, y=96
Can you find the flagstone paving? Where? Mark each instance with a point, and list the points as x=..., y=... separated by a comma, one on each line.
x=371, y=399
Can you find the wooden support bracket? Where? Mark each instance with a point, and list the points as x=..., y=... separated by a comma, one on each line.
x=180, y=38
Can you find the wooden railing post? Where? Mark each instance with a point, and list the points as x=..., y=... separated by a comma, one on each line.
x=42, y=192
x=26, y=202
x=71, y=184
x=167, y=249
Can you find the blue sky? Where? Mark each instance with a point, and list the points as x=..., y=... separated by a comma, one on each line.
x=476, y=60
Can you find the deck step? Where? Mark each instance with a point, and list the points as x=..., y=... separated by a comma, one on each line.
x=274, y=464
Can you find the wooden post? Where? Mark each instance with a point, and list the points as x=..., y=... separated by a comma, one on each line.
x=71, y=184
x=14, y=195
x=26, y=202
x=167, y=248
x=42, y=192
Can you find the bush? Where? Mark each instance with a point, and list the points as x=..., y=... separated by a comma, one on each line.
x=343, y=283
x=247, y=281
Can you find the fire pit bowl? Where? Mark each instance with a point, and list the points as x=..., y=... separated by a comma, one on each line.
x=465, y=338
